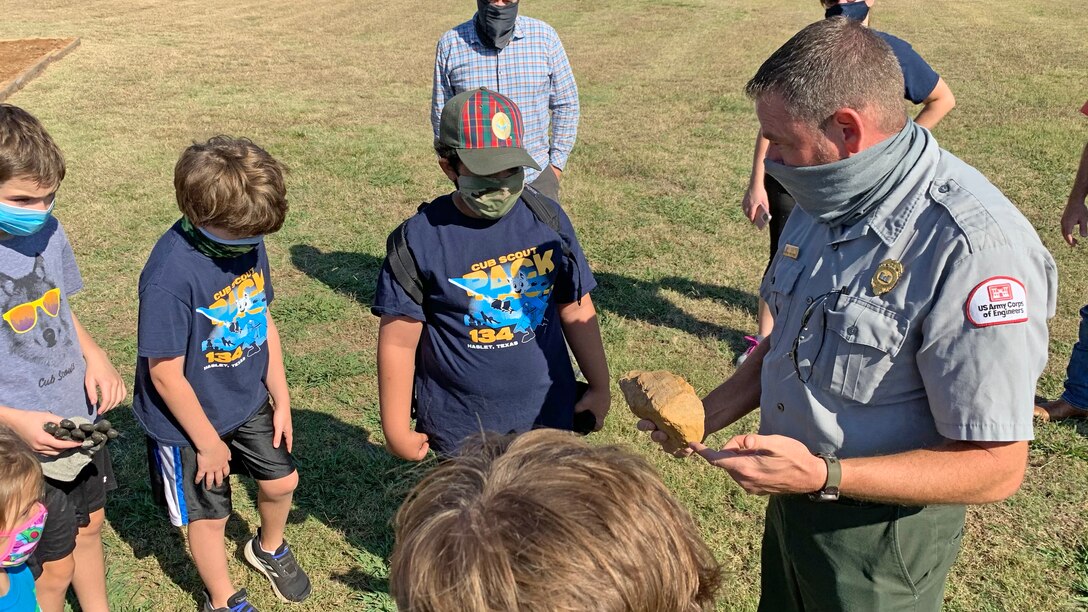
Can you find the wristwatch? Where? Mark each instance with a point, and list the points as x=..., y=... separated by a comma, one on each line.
x=830, y=491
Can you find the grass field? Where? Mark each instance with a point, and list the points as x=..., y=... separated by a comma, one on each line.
x=339, y=90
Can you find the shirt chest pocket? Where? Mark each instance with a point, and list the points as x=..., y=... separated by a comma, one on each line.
x=863, y=341
x=777, y=289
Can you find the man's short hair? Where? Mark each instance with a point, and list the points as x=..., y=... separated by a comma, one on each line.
x=233, y=184
x=27, y=150
x=542, y=522
x=833, y=64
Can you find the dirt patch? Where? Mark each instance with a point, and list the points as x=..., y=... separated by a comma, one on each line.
x=22, y=60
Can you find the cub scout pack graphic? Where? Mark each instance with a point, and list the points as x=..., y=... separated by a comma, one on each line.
x=240, y=325
x=999, y=300
x=510, y=297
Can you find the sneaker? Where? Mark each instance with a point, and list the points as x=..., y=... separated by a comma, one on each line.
x=753, y=342
x=235, y=603
x=290, y=583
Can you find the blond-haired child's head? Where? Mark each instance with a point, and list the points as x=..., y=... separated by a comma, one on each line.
x=544, y=521
x=20, y=480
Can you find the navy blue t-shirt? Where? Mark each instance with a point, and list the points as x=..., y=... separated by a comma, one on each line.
x=492, y=355
x=214, y=312
x=919, y=78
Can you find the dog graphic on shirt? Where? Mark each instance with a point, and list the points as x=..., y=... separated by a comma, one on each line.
x=46, y=340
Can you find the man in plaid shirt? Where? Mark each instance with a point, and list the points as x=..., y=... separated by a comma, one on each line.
x=522, y=58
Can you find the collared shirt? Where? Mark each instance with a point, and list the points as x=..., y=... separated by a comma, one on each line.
x=532, y=70
x=951, y=351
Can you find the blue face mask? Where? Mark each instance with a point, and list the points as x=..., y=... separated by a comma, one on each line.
x=19, y=221
x=857, y=11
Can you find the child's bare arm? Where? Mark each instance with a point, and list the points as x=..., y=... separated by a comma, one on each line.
x=398, y=338
x=213, y=456
x=104, y=386
x=276, y=380
x=27, y=424
x=583, y=334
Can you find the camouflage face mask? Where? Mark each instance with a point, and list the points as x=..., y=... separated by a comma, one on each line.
x=491, y=198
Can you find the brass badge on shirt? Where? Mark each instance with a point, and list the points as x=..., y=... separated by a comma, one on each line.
x=791, y=251
x=886, y=277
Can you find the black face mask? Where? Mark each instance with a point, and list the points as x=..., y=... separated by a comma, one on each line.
x=495, y=24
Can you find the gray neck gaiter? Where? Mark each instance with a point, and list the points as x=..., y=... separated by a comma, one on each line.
x=842, y=192
x=495, y=24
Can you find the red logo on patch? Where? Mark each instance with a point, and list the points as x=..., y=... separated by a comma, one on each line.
x=1000, y=293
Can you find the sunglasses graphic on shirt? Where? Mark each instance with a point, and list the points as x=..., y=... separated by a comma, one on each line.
x=24, y=317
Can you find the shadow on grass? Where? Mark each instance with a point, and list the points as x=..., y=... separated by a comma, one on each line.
x=346, y=482
x=355, y=275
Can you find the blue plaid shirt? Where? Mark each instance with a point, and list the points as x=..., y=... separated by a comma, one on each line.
x=532, y=70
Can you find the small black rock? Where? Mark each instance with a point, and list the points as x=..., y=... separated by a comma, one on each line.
x=98, y=437
x=62, y=434
x=51, y=427
x=112, y=434
x=86, y=427
x=103, y=426
x=67, y=424
x=78, y=435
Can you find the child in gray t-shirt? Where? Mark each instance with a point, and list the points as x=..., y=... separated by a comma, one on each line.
x=53, y=369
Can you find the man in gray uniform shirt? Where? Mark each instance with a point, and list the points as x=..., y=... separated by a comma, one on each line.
x=910, y=300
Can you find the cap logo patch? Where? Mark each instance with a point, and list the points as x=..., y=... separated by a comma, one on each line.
x=500, y=125
x=998, y=300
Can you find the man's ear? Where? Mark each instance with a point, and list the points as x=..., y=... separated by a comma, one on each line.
x=448, y=169
x=848, y=131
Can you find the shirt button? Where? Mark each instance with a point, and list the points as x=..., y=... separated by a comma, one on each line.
x=852, y=330
x=808, y=300
x=834, y=247
x=781, y=407
x=943, y=188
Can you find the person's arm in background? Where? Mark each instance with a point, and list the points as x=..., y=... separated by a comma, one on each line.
x=936, y=105
x=398, y=339
x=441, y=89
x=583, y=334
x=755, y=203
x=1076, y=212
x=563, y=103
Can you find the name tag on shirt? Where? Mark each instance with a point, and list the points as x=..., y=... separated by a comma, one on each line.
x=791, y=251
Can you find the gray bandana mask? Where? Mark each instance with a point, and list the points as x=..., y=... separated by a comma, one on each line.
x=842, y=192
x=495, y=24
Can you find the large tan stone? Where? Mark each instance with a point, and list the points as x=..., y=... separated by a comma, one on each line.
x=669, y=401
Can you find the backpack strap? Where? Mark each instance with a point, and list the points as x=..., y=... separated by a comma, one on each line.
x=402, y=263
x=547, y=212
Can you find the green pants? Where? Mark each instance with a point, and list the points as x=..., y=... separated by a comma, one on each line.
x=856, y=556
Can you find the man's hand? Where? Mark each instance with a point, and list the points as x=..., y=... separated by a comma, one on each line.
x=213, y=464
x=281, y=424
x=764, y=465
x=597, y=401
x=29, y=427
x=1076, y=213
x=105, y=389
x=756, y=206
x=660, y=437
x=410, y=445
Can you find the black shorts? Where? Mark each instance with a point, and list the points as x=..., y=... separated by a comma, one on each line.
x=173, y=470
x=70, y=505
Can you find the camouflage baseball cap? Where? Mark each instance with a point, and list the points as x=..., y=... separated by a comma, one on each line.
x=486, y=130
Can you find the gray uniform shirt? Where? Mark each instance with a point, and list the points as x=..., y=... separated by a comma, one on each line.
x=43, y=368
x=952, y=351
